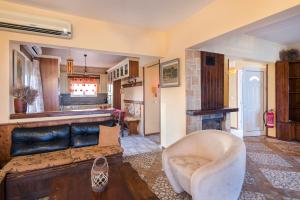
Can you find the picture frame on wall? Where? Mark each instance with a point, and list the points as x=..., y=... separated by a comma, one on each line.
x=170, y=73
x=19, y=67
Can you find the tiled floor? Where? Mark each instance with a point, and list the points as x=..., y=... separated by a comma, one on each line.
x=273, y=171
x=138, y=144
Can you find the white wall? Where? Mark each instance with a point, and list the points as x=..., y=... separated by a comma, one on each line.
x=87, y=34
x=217, y=18
x=248, y=51
x=244, y=46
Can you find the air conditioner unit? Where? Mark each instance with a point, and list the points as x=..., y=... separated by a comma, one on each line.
x=19, y=22
x=35, y=51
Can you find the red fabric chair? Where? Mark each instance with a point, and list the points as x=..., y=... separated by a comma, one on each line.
x=119, y=116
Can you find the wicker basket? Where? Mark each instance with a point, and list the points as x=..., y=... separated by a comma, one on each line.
x=99, y=174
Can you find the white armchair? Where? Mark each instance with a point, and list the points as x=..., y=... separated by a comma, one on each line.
x=208, y=164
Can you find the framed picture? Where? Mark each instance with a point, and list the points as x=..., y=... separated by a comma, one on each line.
x=169, y=74
x=19, y=67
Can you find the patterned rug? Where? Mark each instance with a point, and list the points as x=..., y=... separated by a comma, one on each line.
x=273, y=171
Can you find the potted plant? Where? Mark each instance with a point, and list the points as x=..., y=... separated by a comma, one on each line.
x=23, y=96
x=289, y=55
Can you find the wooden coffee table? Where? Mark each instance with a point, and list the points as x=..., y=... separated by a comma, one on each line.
x=125, y=184
x=75, y=183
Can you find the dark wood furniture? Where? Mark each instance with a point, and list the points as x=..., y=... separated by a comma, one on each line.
x=125, y=184
x=132, y=125
x=49, y=69
x=288, y=100
x=133, y=69
x=74, y=182
x=212, y=80
x=117, y=94
x=70, y=181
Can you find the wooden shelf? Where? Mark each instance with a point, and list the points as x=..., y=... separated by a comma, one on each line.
x=295, y=77
x=294, y=92
x=60, y=113
x=209, y=112
x=135, y=84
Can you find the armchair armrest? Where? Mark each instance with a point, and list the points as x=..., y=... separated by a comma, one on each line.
x=180, y=148
x=225, y=175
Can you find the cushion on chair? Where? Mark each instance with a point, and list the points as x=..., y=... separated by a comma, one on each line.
x=27, y=141
x=183, y=168
x=39, y=161
x=87, y=134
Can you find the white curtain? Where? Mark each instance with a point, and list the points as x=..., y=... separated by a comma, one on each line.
x=35, y=82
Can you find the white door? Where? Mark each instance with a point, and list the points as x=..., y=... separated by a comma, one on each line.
x=253, y=102
x=152, y=100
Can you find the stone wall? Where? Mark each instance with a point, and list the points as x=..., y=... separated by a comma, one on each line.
x=193, y=88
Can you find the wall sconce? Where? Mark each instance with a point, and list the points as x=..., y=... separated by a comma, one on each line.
x=232, y=71
x=154, y=91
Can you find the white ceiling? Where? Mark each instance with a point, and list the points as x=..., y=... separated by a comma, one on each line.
x=94, y=58
x=158, y=14
x=285, y=32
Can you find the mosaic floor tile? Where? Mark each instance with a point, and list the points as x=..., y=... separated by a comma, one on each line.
x=246, y=195
x=297, y=158
x=254, y=146
x=145, y=162
x=248, y=178
x=275, y=183
x=164, y=191
x=283, y=179
x=268, y=159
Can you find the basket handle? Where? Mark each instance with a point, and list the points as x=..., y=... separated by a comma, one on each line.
x=100, y=157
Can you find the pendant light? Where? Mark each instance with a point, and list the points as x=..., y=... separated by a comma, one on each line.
x=85, y=68
x=70, y=66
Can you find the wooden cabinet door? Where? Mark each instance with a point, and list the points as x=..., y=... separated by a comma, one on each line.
x=212, y=81
x=117, y=94
x=285, y=131
x=133, y=68
x=49, y=74
x=282, y=91
x=297, y=131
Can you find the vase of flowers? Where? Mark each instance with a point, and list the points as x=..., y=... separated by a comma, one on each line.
x=23, y=96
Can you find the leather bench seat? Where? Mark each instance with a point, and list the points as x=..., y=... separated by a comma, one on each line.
x=38, y=161
x=58, y=158
x=50, y=146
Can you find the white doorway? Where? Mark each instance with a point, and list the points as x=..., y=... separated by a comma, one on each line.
x=152, y=100
x=253, y=101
